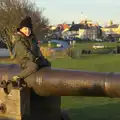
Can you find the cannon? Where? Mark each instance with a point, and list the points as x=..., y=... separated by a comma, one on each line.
x=47, y=86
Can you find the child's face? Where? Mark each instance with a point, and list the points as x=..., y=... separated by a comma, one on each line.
x=26, y=31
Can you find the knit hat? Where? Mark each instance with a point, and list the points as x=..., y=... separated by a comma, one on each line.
x=27, y=22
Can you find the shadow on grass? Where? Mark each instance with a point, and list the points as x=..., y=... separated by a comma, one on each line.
x=102, y=112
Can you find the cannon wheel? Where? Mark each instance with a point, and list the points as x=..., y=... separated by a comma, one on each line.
x=64, y=115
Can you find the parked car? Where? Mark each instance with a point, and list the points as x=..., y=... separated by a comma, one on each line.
x=98, y=46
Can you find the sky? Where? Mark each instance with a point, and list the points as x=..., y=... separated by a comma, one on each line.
x=59, y=11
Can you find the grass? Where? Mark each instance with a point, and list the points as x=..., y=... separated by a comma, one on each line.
x=91, y=108
x=99, y=63
x=84, y=108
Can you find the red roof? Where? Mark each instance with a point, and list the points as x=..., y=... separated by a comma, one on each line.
x=64, y=26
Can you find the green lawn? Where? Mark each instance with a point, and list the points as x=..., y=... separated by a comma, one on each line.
x=100, y=63
x=90, y=108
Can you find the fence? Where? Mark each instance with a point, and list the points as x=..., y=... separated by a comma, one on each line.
x=47, y=52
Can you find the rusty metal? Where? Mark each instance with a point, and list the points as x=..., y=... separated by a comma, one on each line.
x=47, y=82
x=58, y=82
x=2, y=108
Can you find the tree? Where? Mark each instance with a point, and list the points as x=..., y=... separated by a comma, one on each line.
x=13, y=11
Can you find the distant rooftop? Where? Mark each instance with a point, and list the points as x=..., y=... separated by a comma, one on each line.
x=76, y=27
x=112, y=26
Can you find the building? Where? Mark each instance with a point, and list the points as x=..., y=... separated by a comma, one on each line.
x=78, y=29
x=91, y=32
x=85, y=31
x=111, y=30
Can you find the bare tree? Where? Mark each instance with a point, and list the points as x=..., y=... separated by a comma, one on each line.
x=13, y=11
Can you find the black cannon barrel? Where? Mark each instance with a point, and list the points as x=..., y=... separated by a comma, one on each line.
x=59, y=82
x=74, y=83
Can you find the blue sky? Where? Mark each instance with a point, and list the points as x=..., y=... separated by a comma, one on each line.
x=101, y=11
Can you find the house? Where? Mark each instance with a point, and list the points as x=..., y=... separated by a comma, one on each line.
x=85, y=31
x=78, y=29
x=111, y=30
x=91, y=32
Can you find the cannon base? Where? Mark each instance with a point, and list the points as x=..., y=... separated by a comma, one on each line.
x=12, y=103
x=27, y=105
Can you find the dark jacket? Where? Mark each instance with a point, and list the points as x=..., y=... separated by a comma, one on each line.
x=24, y=57
x=34, y=47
